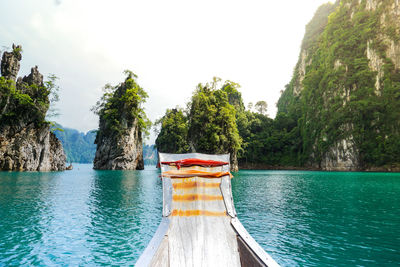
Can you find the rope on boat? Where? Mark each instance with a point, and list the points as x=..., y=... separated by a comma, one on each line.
x=194, y=173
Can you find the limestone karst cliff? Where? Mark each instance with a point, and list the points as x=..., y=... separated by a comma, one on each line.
x=122, y=122
x=345, y=90
x=26, y=143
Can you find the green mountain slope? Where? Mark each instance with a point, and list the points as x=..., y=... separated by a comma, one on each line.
x=345, y=90
x=79, y=147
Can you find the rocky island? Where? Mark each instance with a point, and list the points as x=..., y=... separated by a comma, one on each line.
x=26, y=142
x=122, y=123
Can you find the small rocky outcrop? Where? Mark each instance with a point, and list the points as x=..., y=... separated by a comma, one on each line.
x=10, y=63
x=119, y=138
x=26, y=142
x=35, y=77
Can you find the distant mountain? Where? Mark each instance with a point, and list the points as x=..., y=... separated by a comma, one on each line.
x=150, y=155
x=79, y=147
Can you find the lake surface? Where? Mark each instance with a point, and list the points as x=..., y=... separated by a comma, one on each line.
x=87, y=217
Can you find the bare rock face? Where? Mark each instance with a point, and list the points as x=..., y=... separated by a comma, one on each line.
x=341, y=157
x=26, y=143
x=120, y=153
x=30, y=149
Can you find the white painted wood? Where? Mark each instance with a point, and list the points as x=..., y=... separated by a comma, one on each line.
x=161, y=258
x=227, y=194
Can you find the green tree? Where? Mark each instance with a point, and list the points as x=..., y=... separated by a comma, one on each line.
x=121, y=106
x=53, y=89
x=261, y=107
x=210, y=125
x=173, y=134
x=212, y=121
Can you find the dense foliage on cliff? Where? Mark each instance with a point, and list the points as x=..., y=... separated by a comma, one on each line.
x=26, y=103
x=212, y=124
x=17, y=104
x=173, y=135
x=349, y=94
x=207, y=126
x=267, y=142
x=122, y=105
x=28, y=99
x=216, y=121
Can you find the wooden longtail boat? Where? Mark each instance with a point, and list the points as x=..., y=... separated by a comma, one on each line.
x=199, y=226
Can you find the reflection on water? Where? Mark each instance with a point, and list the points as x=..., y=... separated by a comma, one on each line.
x=77, y=217
x=87, y=217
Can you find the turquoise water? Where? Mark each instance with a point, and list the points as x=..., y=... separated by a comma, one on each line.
x=87, y=217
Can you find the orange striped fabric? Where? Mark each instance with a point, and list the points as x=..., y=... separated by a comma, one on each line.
x=194, y=197
x=189, y=213
x=193, y=184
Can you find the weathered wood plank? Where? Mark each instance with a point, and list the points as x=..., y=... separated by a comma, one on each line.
x=161, y=258
x=202, y=241
x=252, y=244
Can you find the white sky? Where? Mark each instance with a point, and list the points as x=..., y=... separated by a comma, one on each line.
x=171, y=45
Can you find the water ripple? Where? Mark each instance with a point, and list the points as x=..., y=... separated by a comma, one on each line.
x=319, y=218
